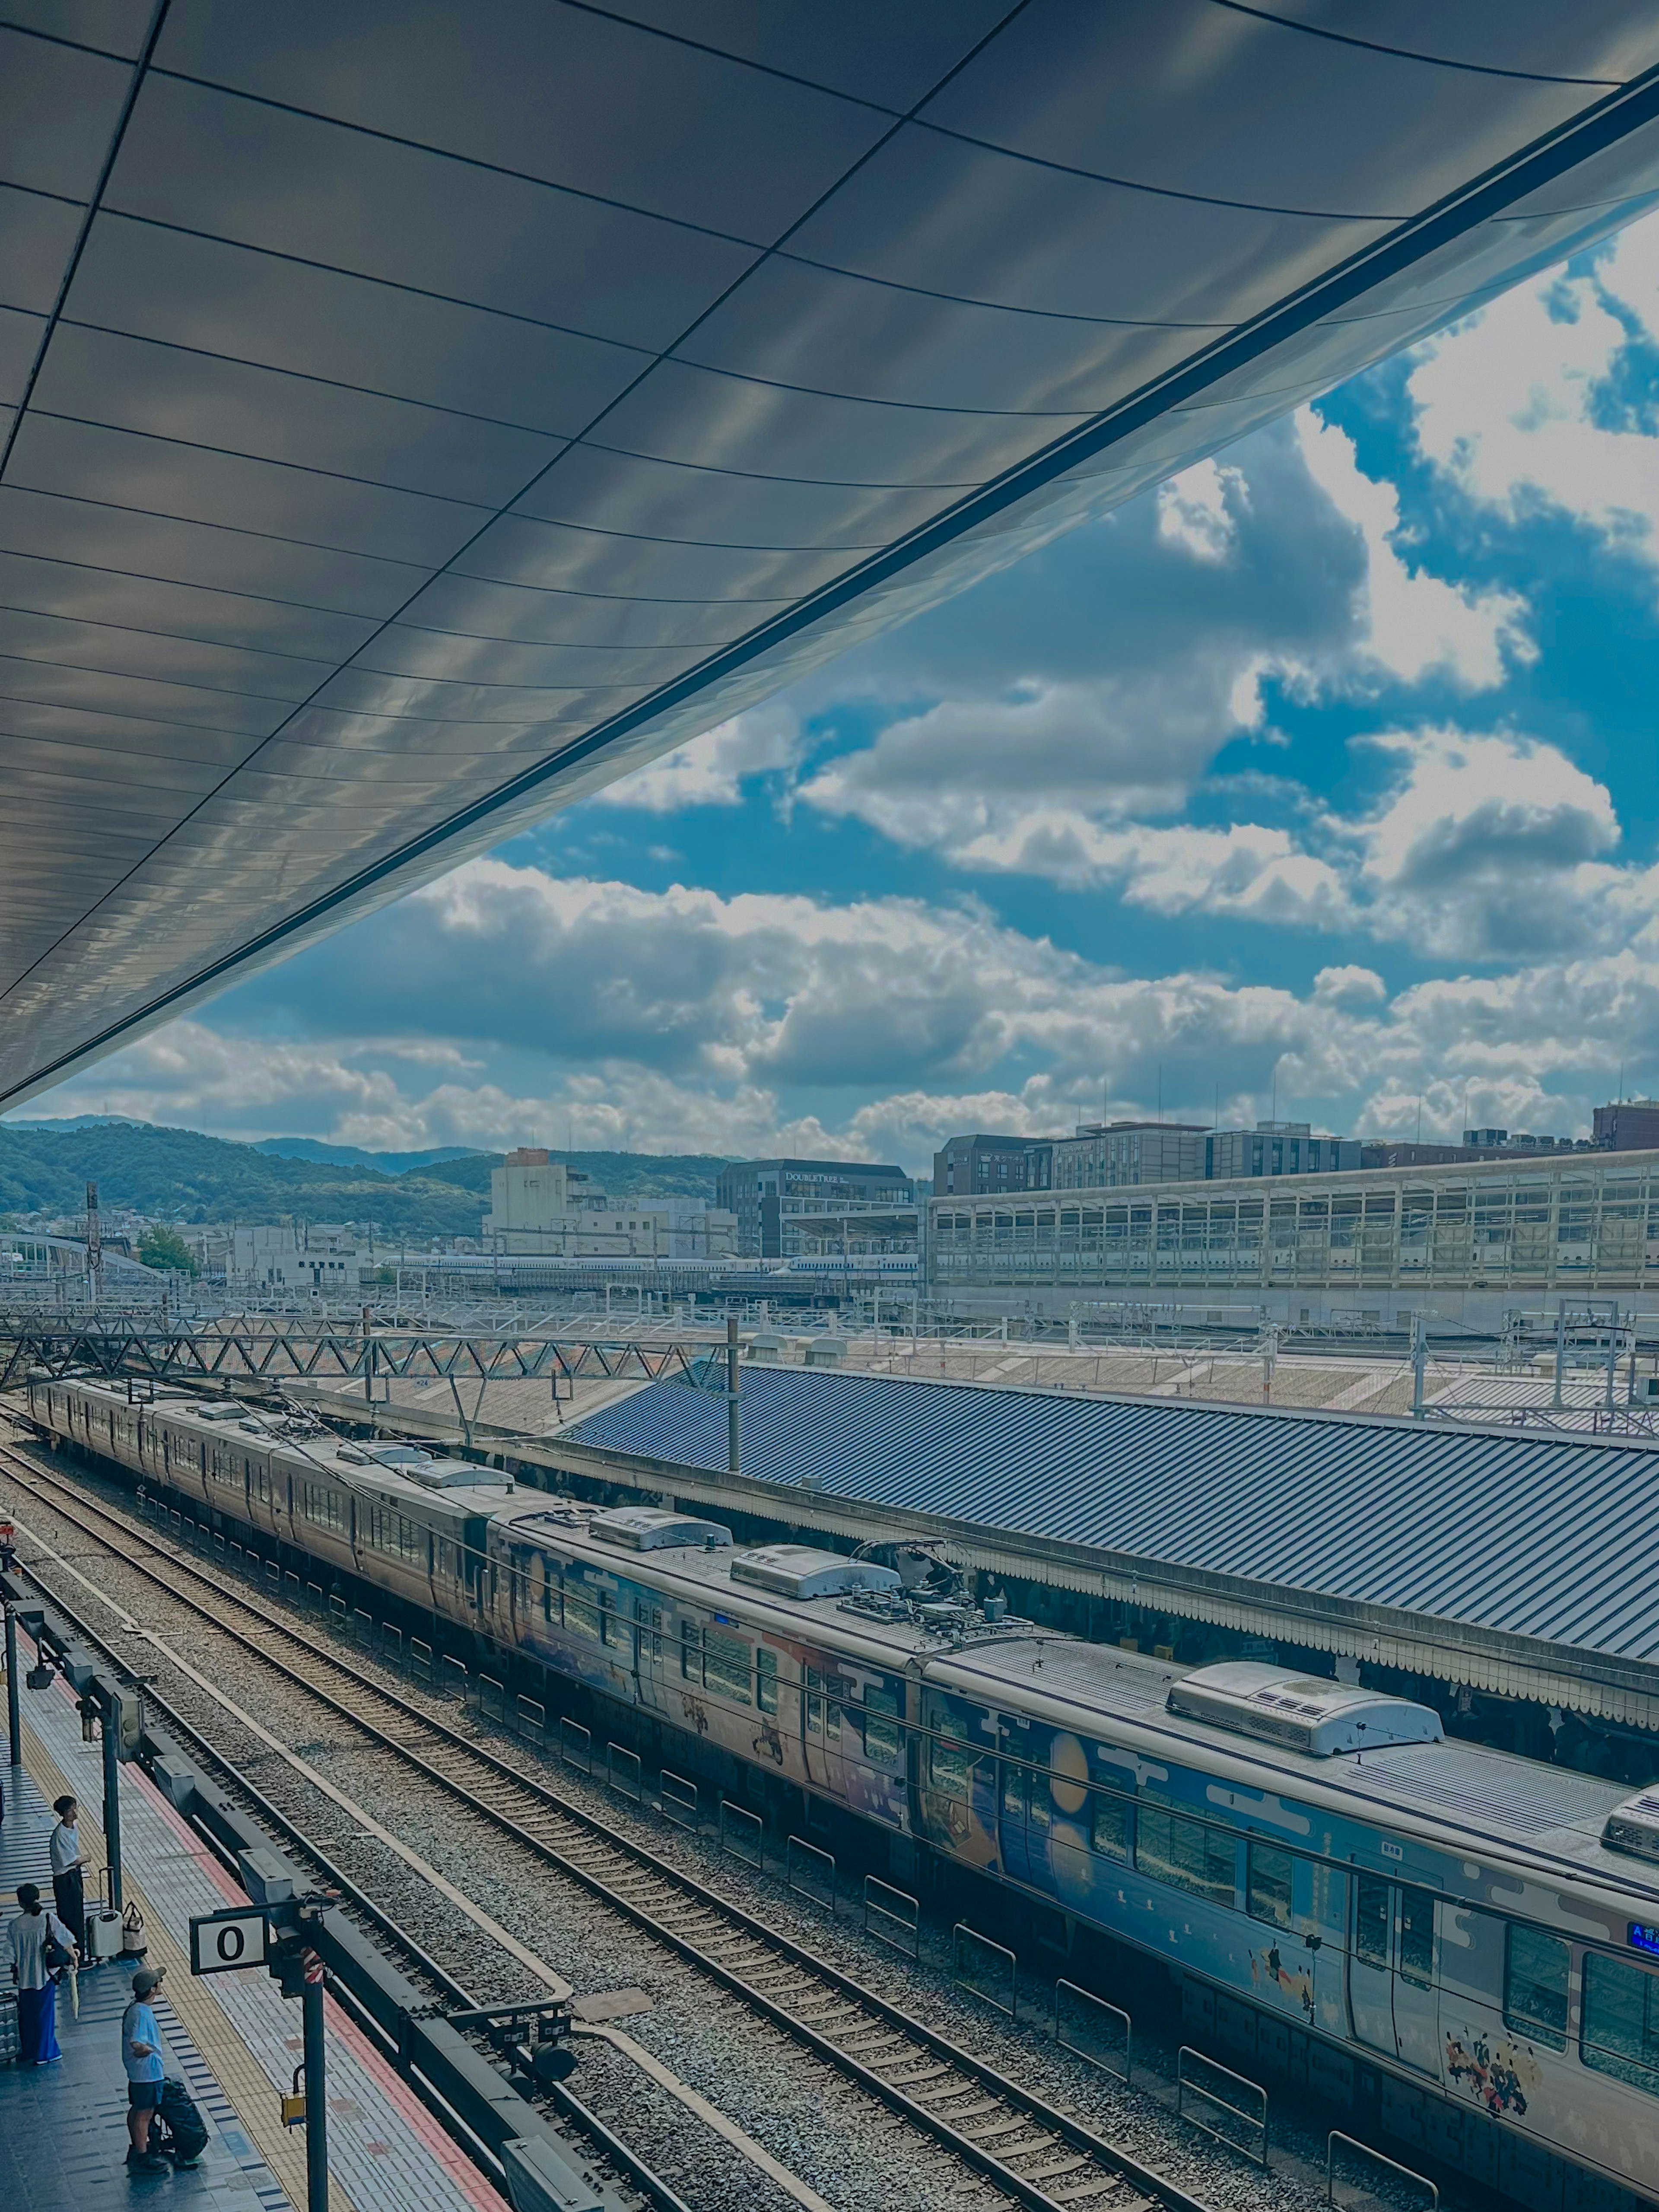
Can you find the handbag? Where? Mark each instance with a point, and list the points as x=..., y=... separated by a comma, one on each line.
x=53, y=1957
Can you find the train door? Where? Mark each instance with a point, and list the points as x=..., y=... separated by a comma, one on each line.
x=1391, y=1985
x=1013, y=1810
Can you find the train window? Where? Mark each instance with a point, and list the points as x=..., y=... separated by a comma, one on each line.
x=726, y=1664
x=1535, y=1985
x=1187, y=1853
x=1014, y=1792
x=948, y=1767
x=582, y=1616
x=1619, y=2033
x=1267, y=1884
x=1109, y=1829
x=1039, y=1806
x=765, y=1680
x=323, y=1507
x=545, y=1573
x=831, y=1723
x=1371, y=1916
x=691, y=1651
x=881, y=1738
x=613, y=1629
x=1417, y=1937
x=653, y=1637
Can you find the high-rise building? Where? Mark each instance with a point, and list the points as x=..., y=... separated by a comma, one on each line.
x=1630, y=1125
x=966, y=1166
x=529, y=1194
x=1275, y=1148
x=1104, y=1154
x=818, y=1209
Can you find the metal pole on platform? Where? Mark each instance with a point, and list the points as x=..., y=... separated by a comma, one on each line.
x=112, y=1733
x=310, y=2020
x=733, y=1374
x=14, y=1707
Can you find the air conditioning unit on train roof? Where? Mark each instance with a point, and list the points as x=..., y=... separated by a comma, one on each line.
x=1633, y=1826
x=798, y=1570
x=654, y=1528
x=1303, y=1712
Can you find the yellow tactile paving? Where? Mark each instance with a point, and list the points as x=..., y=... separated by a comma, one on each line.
x=238, y=2072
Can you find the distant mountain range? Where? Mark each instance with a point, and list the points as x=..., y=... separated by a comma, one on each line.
x=178, y=1175
x=348, y=1156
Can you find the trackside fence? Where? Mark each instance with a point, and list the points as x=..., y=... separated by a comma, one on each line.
x=741, y=1833
x=622, y=1772
x=679, y=1800
x=1226, y=2106
x=575, y=1745
x=1368, y=2161
x=809, y=1873
x=986, y=1970
x=891, y=1916
x=1087, y=2026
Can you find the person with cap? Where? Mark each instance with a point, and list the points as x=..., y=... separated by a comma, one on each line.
x=68, y=1878
x=42, y=1947
x=141, y=2055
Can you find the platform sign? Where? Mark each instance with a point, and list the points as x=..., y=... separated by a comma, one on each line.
x=220, y=1942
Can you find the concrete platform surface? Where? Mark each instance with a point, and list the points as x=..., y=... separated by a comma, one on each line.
x=232, y=2037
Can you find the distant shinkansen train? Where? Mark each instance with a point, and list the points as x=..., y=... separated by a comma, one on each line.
x=1469, y=1937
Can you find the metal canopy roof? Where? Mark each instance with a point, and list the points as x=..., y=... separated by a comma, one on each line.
x=1531, y=1538
x=421, y=414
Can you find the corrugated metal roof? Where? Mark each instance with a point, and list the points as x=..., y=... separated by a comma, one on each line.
x=1528, y=1535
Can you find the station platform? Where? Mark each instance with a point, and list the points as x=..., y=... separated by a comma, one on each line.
x=231, y=2037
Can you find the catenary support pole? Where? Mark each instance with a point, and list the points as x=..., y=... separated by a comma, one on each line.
x=733, y=1375
x=311, y=2021
x=112, y=1733
x=14, y=1706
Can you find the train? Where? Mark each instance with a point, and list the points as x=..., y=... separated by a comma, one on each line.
x=1463, y=1942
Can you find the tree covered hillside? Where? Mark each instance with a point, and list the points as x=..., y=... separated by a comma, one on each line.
x=177, y=1175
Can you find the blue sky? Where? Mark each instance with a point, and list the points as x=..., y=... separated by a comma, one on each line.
x=1324, y=776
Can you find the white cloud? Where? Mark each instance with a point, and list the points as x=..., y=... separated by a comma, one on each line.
x=1196, y=510
x=1516, y=403
x=711, y=770
x=680, y=1021
x=1411, y=623
x=1285, y=566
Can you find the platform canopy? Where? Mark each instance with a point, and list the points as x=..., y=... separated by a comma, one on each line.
x=422, y=413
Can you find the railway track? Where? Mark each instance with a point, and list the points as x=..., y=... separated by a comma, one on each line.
x=1031, y=2153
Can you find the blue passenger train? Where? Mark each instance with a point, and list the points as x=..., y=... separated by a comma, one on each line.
x=1348, y=1898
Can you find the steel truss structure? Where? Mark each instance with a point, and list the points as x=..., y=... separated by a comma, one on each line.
x=273, y=1351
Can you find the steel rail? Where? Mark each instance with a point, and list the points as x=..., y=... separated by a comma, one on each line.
x=1068, y=2133
x=391, y=1933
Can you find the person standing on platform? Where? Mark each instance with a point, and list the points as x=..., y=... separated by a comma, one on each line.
x=42, y=1947
x=141, y=2055
x=68, y=1871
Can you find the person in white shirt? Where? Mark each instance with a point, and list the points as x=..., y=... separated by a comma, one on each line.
x=68, y=1871
x=34, y=1934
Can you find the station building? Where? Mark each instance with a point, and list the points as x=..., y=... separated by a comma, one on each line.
x=1465, y=1243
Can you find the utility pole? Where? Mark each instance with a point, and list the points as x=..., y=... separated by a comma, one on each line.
x=14, y=1707
x=733, y=1378
x=1560, y=1351
x=112, y=1746
x=94, y=1246
x=1420, y=1362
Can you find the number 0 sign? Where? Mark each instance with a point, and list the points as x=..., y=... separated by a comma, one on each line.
x=222, y=1941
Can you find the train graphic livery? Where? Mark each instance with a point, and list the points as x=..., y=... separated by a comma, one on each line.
x=1468, y=1937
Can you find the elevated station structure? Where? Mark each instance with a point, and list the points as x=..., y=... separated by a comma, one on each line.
x=418, y=416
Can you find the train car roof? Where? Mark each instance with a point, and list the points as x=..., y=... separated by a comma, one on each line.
x=1519, y=1805
x=446, y=1489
